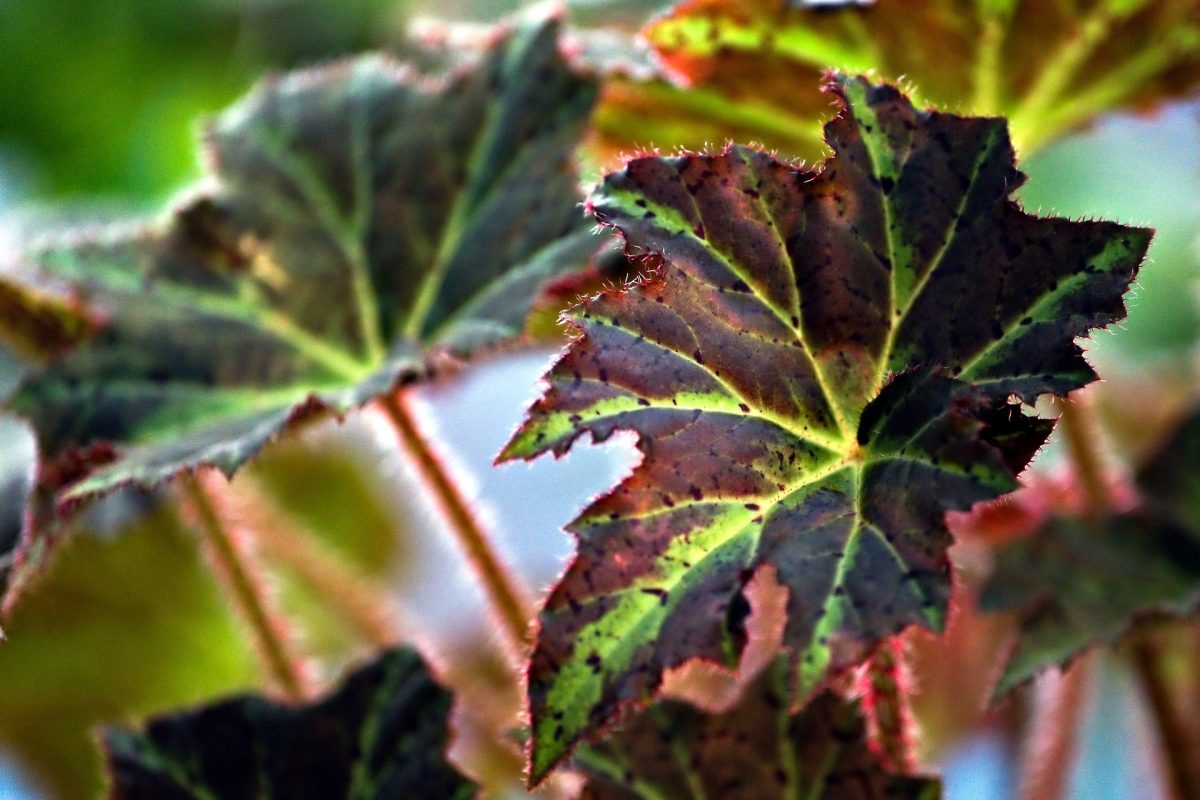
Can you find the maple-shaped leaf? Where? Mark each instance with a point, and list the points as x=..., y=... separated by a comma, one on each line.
x=1049, y=66
x=359, y=214
x=820, y=368
x=1080, y=581
x=756, y=750
x=382, y=734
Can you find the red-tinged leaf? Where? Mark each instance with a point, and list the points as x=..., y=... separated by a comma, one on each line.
x=1079, y=581
x=740, y=69
x=821, y=368
x=360, y=215
x=38, y=325
x=754, y=751
x=382, y=734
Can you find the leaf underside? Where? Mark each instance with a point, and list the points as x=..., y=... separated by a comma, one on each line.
x=382, y=734
x=1077, y=582
x=1049, y=67
x=823, y=364
x=754, y=751
x=358, y=216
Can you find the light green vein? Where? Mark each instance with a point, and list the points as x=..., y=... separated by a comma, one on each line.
x=901, y=315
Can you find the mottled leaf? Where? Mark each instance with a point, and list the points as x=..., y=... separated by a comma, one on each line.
x=1049, y=66
x=822, y=366
x=359, y=214
x=382, y=734
x=1080, y=581
x=754, y=751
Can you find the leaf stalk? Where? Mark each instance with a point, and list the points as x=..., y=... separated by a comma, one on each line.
x=357, y=600
x=1175, y=739
x=506, y=599
x=888, y=711
x=239, y=575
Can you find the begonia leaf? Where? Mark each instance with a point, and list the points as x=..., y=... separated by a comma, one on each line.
x=823, y=364
x=757, y=749
x=359, y=215
x=745, y=65
x=1077, y=582
x=382, y=734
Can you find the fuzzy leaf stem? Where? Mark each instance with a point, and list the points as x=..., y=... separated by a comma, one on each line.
x=886, y=686
x=356, y=599
x=1080, y=433
x=1082, y=436
x=1181, y=760
x=1053, y=737
x=1052, y=740
x=505, y=597
x=238, y=576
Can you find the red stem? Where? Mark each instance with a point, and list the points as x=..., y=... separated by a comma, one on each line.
x=240, y=576
x=885, y=702
x=1053, y=740
x=1082, y=436
x=1175, y=737
x=507, y=601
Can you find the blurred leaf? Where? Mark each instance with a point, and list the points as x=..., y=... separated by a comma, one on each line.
x=39, y=325
x=381, y=734
x=319, y=474
x=1048, y=66
x=1080, y=581
x=820, y=369
x=118, y=626
x=363, y=214
x=754, y=751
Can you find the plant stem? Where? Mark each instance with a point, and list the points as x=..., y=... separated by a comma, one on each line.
x=506, y=599
x=355, y=598
x=886, y=704
x=1183, y=762
x=1054, y=728
x=1081, y=434
x=240, y=577
x=1054, y=732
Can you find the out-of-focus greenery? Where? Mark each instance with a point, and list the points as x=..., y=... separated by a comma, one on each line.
x=104, y=98
x=120, y=628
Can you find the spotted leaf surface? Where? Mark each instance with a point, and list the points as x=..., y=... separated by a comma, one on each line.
x=1049, y=67
x=821, y=366
x=1077, y=582
x=755, y=750
x=358, y=215
x=382, y=734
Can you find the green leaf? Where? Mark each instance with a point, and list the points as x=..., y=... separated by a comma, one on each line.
x=1050, y=67
x=383, y=733
x=820, y=368
x=118, y=626
x=360, y=214
x=1077, y=582
x=755, y=750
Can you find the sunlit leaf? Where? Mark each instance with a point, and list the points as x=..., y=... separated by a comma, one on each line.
x=1080, y=581
x=823, y=364
x=382, y=734
x=672, y=751
x=1049, y=66
x=360, y=214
